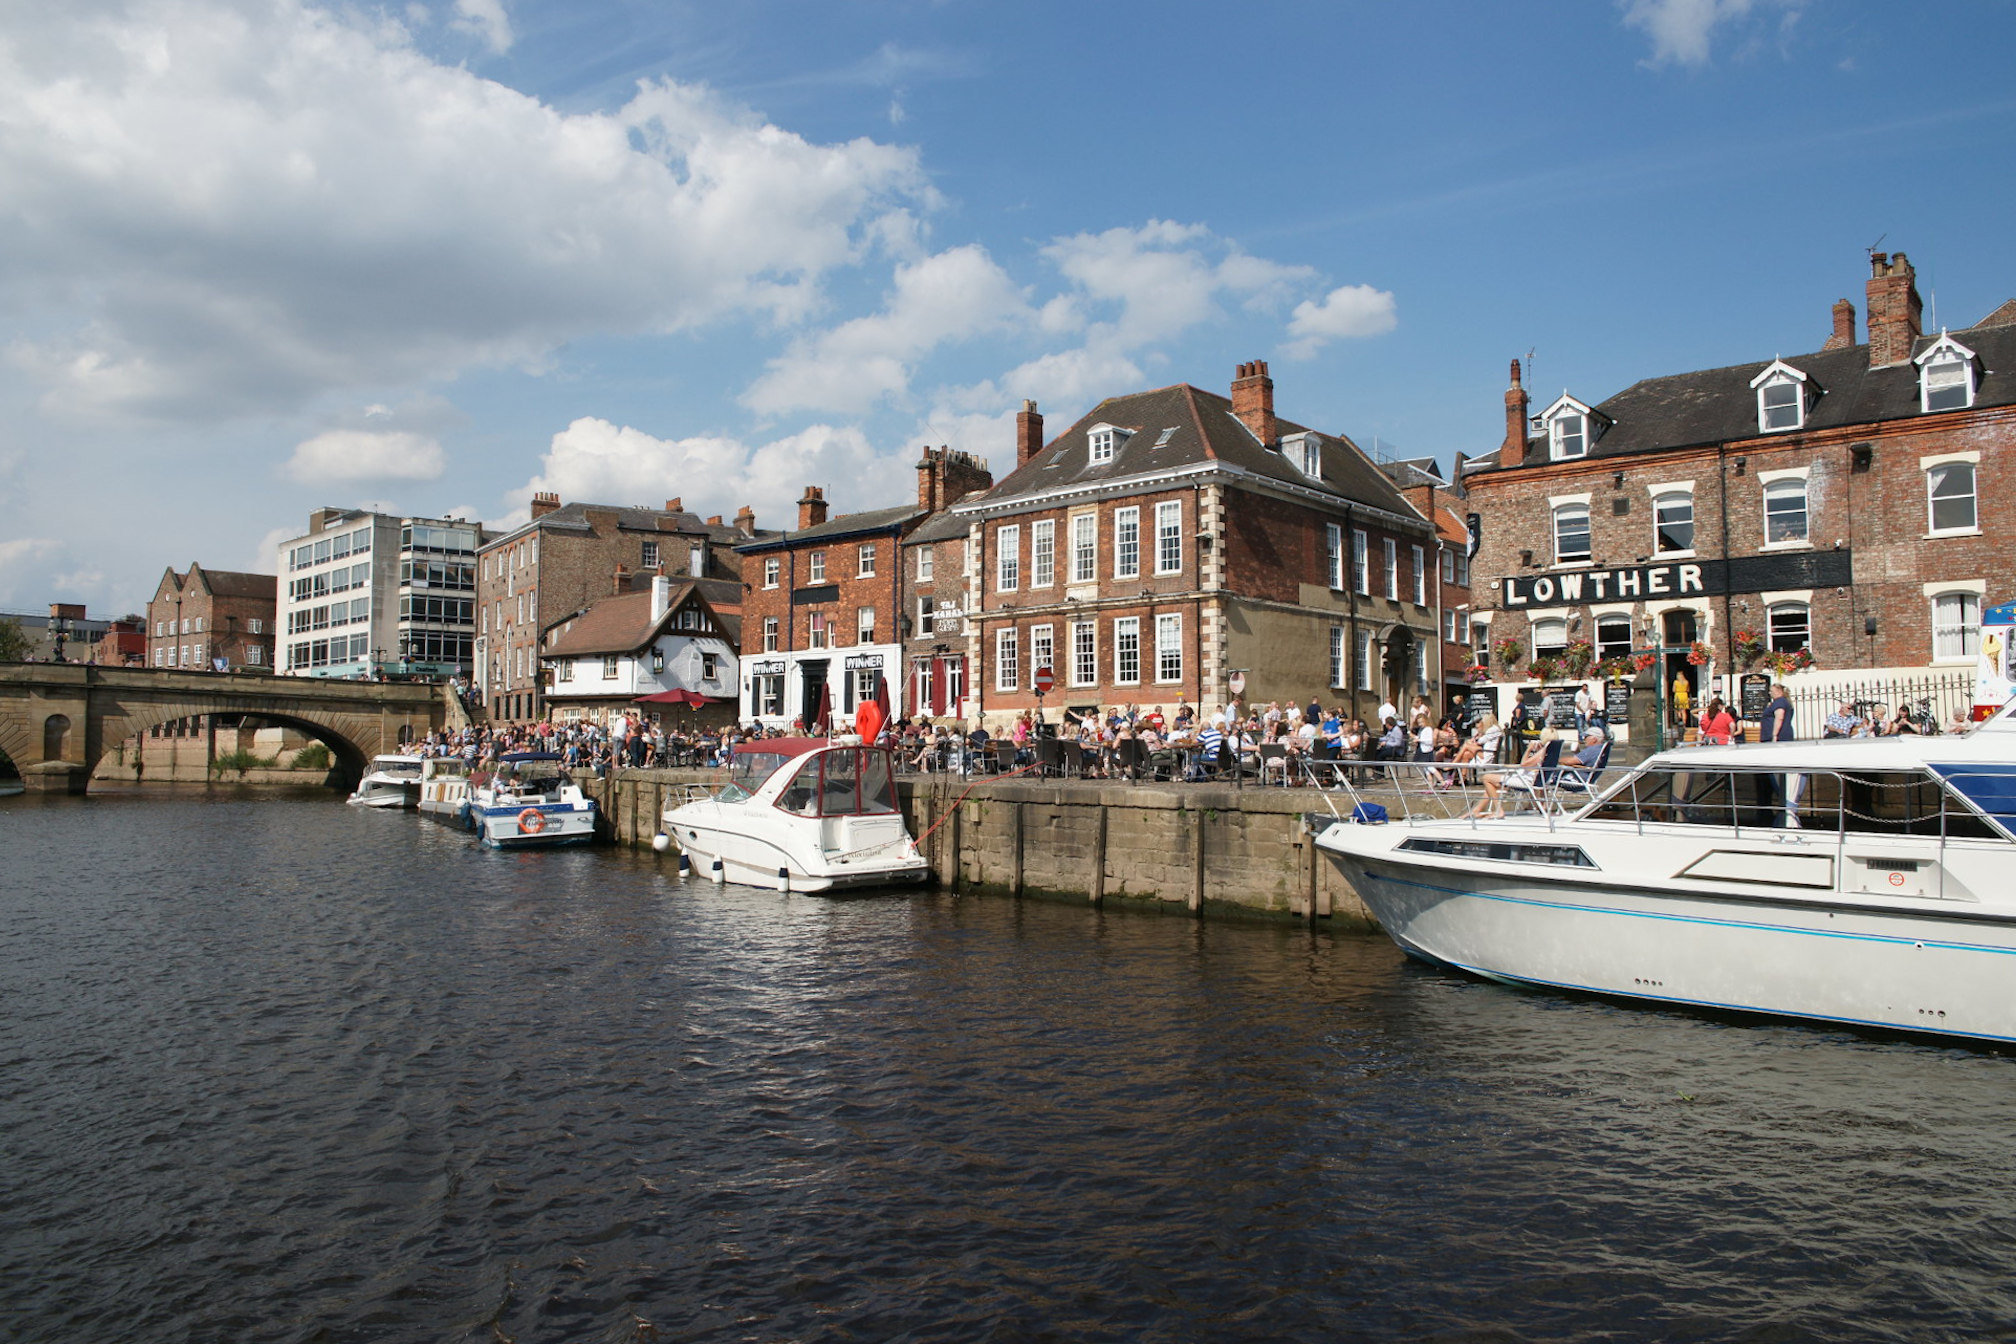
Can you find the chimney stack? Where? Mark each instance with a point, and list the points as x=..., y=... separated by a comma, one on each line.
x=1028, y=433
x=714, y=520
x=1844, y=326
x=930, y=480
x=1253, y=401
x=544, y=503
x=811, y=508
x=661, y=596
x=1512, y=452
x=1894, y=309
x=745, y=521
x=945, y=477
x=676, y=504
x=622, y=578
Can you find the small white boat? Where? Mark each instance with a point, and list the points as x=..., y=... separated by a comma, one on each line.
x=392, y=781
x=529, y=802
x=800, y=814
x=1861, y=881
x=444, y=786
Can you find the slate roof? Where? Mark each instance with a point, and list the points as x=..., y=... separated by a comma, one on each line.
x=226, y=582
x=1204, y=431
x=574, y=518
x=846, y=525
x=945, y=525
x=1713, y=406
x=623, y=624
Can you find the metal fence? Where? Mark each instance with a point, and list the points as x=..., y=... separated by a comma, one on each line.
x=1942, y=692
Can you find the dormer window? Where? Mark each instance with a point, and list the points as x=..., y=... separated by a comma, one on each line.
x=1104, y=440
x=1781, y=398
x=1305, y=451
x=1946, y=376
x=1570, y=428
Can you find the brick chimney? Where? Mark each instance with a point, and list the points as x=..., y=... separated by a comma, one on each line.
x=1894, y=309
x=1844, y=326
x=676, y=504
x=1512, y=452
x=1028, y=435
x=931, y=480
x=543, y=504
x=811, y=508
x=714, y=520
x=1253, y=401
x=622, y=578
x=745, y=521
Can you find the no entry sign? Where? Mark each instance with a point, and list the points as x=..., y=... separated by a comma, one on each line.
x=1043, y=681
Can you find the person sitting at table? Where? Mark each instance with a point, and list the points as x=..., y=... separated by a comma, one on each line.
x=1482, y=748
x=1392, y=742
x=1492, y=804
x=1186, y=719
x=1209, y=741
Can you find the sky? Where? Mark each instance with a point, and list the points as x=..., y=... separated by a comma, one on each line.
x=262, y=256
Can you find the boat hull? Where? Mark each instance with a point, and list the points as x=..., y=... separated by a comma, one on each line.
x=387, y=795
x=784, y=861
x=511, y=828
x=1913, y=971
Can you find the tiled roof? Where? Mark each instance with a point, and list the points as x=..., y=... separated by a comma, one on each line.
x=1184, y=426
x=1718, y=405
x=846, y=525
x=231, y=583
x=623, y=624
x=944, y=525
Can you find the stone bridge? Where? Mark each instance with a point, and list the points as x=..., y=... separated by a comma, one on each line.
x=58, y=719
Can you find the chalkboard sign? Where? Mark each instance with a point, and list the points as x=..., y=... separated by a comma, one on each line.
x=1481, y=701
x=1561, y=708
x=1756, y=696
x=1617, y=701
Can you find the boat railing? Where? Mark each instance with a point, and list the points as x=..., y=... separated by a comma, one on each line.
x=1411, y=792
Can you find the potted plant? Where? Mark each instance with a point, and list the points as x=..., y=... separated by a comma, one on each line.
x=1786, y=663
x=1543, y=669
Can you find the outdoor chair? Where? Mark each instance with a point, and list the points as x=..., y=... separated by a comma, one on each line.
x=1538, y=782
x=1274, y=759
x=1582, y=778
x=1130, y=757
x=1049, y=758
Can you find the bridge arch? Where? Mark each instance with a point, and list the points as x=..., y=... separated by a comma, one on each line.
x=349, y=755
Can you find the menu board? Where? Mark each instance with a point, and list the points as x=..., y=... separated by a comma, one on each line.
x=1617, y=701
x=1755, y=696
x=1561, y=705
x=1481, y=701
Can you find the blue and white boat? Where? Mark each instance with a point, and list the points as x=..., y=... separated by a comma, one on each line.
x=529, y=802
x=1862, y=881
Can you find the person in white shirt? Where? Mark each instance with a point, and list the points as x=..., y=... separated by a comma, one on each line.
x=1386, y=711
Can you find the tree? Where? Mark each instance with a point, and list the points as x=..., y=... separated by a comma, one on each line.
x=14, y=641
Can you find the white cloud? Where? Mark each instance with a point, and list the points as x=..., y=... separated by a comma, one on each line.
x=1347, y=311
x=487, y=20
x=946, y=297
x=359, y=455
x=209, y=208
x=595, y=461
x=1167, y=277
x=1682, y=30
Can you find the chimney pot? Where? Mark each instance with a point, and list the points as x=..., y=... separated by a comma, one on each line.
x=1512, y=452
x=811, y=508
x=544, y=503
x=1253, y=401
x=1028, y=433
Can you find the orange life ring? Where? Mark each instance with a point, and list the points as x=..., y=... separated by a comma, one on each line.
x=531, y=821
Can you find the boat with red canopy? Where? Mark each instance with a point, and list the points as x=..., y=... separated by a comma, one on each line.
x=800, y=814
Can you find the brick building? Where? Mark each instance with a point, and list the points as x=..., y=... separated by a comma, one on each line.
x=567, y=556
x=1170, y=540
x=1854, y=502
x=830, y=605
x=936, y=570
x=1421, y=483
x=201, y=616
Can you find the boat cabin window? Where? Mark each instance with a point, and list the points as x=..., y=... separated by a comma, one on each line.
x=1901, y=802
x=844, y=783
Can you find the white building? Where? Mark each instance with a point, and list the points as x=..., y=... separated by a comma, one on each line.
x=364, y=592
x=619, y=651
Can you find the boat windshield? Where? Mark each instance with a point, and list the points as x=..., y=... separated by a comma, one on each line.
x=747, y=771
x=844, y=782
x=396, y=767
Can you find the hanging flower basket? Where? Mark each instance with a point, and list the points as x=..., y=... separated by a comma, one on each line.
x=1784, y=664
x=1643, y=661
x=1750, y=647
x=1508, y=650
x=1579, y=656
x=1477, y=672
x=1700, y=655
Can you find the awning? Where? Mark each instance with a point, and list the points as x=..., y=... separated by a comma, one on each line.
x=693, y=698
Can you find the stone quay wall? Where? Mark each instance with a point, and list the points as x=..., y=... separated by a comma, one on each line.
x=1195, y=849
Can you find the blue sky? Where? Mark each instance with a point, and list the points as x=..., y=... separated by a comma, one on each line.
x=262, y=255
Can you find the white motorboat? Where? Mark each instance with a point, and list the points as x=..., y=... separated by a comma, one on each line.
x=392, y=781
x=444, y=786
x=1861, y=881
x=529, y=802
x=800, y=814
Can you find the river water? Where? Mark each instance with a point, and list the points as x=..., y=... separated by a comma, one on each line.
x=275, y=1069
